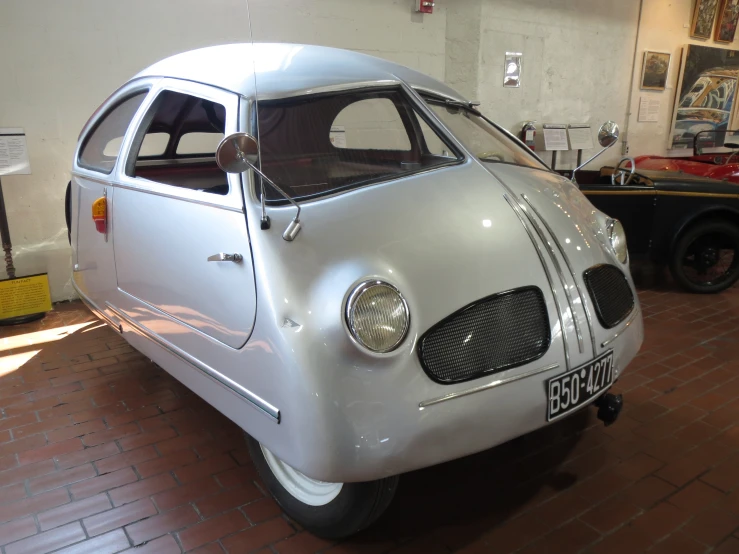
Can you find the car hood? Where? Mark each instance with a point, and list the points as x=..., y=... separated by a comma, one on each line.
x=445, y=239
x=563, y=210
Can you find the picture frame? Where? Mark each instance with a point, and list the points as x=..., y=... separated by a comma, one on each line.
x=728, y=17
x=704, y=17
x=655, y=70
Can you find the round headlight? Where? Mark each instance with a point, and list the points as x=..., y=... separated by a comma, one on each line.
x=617, y=236
x=377, y=316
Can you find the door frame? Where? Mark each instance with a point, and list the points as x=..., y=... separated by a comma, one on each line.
x=234, y=200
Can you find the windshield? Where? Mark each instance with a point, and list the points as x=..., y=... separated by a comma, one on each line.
x=485, y=141
x=327, y=143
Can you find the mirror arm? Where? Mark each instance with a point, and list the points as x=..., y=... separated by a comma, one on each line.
x=578, y=168
x=294, y=227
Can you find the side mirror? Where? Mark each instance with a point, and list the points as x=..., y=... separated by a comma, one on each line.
x=608, y=134
x=607, y=137
x=237, y=152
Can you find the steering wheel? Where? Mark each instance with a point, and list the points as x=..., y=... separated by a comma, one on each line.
x=620, y=174
x=735, y=147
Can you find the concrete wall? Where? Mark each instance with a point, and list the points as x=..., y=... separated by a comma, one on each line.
x=577, y=60
x=61, y=59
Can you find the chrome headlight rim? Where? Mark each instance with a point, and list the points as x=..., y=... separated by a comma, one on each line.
x=354, y=295
x=621, y=237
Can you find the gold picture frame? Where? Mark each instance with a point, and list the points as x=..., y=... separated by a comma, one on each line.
x=728, y=17
x=704, y=16
x=655, y=70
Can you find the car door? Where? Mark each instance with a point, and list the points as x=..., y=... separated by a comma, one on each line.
x=182, y=252
x=633, y=205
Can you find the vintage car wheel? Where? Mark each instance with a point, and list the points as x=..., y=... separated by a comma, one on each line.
x=706, y=257
x=329, y=510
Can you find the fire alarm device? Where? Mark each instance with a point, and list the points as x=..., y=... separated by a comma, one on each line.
x=424, y=6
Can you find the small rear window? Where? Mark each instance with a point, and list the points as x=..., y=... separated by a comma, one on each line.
x=102, y=146
x=199, y=143
x=323, y=144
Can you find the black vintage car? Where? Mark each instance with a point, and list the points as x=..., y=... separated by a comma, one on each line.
x=687, y=222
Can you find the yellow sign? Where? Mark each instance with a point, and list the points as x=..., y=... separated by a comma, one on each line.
x=24, y=296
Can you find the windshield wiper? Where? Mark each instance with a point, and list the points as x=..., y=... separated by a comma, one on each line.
x=459, y=104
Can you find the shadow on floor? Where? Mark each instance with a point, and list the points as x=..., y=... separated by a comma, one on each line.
x=458, y=501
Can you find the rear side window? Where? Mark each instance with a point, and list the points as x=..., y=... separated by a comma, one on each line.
x=102, y=146
x=323, y=144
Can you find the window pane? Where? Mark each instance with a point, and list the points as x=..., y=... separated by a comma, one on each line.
x=485, y=142
x=199, y=143
x=434, y=144
x=197, y=123
x=372, y=124
x=102, y=146
x=311, y=146
x=154, y=144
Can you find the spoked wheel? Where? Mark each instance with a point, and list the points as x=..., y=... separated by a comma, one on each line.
x=329, y=510
x=706, y=258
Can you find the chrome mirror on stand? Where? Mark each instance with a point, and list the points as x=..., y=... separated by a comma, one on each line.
x=240, y=151
x=607, y=137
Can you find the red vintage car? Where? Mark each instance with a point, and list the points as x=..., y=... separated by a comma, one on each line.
x=715, y=155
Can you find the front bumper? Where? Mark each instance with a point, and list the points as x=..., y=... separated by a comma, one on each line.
x=405, y=431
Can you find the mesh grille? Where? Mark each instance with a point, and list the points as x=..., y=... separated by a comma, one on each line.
x=611, y=294
x=499, y=332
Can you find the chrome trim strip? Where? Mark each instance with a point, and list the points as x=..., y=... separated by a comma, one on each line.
x=517, y=210
x=560, y=273
x=623, y=330
x=100, y=314
x=491, y=385
x=261, y=405
x=157, y=193
x=572, y=271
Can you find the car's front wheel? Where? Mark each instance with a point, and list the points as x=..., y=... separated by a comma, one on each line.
x=706, y=257
x=329, y=510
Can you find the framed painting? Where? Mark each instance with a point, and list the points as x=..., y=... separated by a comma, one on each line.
x=704, y=16
x=728, y=16
x=655, y=70
x=705, y=94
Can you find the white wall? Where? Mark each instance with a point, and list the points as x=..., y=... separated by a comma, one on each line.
x=61, y=59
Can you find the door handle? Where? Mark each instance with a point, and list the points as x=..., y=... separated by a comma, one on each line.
x=222, y=257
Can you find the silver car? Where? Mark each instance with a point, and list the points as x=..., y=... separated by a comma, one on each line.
x=348, y=260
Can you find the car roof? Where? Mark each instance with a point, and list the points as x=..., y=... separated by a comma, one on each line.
x=287, y=70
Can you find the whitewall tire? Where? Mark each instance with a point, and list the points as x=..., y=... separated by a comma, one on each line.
x=329, y=510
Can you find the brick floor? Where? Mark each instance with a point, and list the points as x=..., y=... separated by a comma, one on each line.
x=101, y=451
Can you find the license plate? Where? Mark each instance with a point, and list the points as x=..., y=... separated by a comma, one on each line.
x=568, y=392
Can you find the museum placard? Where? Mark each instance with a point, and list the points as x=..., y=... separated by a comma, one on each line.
x=24, y=296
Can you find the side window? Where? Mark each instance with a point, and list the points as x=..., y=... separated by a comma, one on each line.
x=323, y=144
x=176, y=144
x=103, y=144
x=372, y=124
